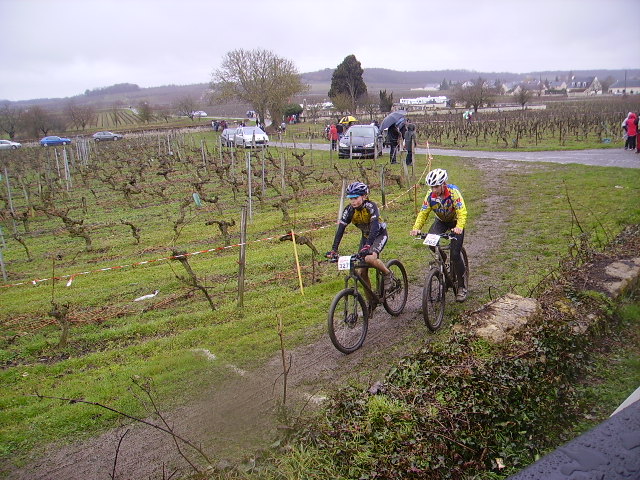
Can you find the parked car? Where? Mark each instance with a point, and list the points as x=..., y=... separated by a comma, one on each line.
x=250, y=137
x=54, y=140
x=9, y=145
x=227, y=136
x=100, y=136
x=362, y=141
x=199, y=113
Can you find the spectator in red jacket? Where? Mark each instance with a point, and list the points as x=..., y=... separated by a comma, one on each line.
x=631, y=127
x=333, y=136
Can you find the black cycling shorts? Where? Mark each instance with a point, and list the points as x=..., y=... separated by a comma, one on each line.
x=378, y=243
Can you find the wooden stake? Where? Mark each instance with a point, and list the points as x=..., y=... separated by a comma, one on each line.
x=295, y=252
x=242, y=259
x=341, y=207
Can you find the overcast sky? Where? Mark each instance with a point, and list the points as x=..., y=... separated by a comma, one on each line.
x=60, y=48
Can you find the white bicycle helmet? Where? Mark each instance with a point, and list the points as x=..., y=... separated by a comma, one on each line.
x=436, y=177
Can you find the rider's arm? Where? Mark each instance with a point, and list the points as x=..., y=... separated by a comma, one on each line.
x=422, y=214
x=338, y=238
x=345, y=219
x=461, y=209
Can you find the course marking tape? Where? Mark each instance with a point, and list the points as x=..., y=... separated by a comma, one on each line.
x=71, y=277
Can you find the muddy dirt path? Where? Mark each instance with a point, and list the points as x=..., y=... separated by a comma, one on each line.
x=239, y=415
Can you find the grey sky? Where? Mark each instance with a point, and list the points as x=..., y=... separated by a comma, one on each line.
x=60, y=48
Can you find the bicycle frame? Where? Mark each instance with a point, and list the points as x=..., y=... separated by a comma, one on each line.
x=354, y=275
x=438, y=257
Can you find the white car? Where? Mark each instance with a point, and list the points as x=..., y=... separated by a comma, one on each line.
x=250, y=137
x=227, y=136
x=9, y=145
x=199, y=113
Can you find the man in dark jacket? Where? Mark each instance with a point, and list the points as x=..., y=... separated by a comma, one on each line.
x=395, y=135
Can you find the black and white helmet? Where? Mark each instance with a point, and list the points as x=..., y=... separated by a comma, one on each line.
x=436, y=177
x=357, y=189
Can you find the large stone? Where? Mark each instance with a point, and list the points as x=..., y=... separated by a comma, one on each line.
x=621, y=275
x=501, y=319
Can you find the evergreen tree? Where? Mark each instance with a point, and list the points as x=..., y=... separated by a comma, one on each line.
x=386, y=101
x=347, y=80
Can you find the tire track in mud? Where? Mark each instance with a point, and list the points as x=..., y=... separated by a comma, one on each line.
x=240, y=414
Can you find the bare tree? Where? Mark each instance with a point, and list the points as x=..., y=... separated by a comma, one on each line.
x=260, y=78
x=79, y=115
x=164, y=113
x=312, y=112
x=145, y=111
x=371, y=105
x=606, y=83
x=523, y=96
x=342, y=103
x=10, y=119
x=476, y=94
x=38, y=121
x=185, y=106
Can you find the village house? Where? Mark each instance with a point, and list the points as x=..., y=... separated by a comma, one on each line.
x=630, y=87
x=577, y=86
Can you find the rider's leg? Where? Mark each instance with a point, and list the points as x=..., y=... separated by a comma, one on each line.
x=458, y=265
x=364, y=273
x=374, y=260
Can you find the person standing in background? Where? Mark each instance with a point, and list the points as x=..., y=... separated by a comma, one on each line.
x=630, y=126
x=333, y=136
x=410, y=142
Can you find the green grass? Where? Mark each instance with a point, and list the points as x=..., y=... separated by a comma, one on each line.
x=114, y=338
x=615, y=372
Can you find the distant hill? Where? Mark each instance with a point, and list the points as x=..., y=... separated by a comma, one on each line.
x=400, y=83
x=420, y=78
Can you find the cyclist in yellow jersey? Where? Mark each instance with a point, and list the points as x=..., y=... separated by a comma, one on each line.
x=446, y=202
x=364, y=214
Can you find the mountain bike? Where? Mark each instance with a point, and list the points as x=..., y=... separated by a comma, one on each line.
x=439, y=278
x=349, y=313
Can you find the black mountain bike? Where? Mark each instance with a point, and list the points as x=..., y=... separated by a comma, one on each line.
x=439, y=278
x=350, y=313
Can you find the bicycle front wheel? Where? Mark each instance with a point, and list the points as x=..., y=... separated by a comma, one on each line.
x=433, y=299
x=348, y=320
x=396, y=298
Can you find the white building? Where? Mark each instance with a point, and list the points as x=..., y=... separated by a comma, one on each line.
x=425, y=102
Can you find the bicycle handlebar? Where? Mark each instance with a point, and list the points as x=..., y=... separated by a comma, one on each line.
x=355, y=258
x=447, y=236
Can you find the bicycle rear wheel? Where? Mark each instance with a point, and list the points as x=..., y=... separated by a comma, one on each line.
x=433, y=299
x=348, y=321
x=395, y=300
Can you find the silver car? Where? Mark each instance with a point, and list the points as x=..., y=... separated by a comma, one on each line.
x=9, y=145
x=100, y=136
x=250, y=137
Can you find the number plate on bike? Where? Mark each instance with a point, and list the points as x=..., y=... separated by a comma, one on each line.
x=344, y=262
x=431, y=239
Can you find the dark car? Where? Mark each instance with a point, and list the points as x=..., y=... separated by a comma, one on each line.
x=54, y=140
x=100, y=136
x=361, y=141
